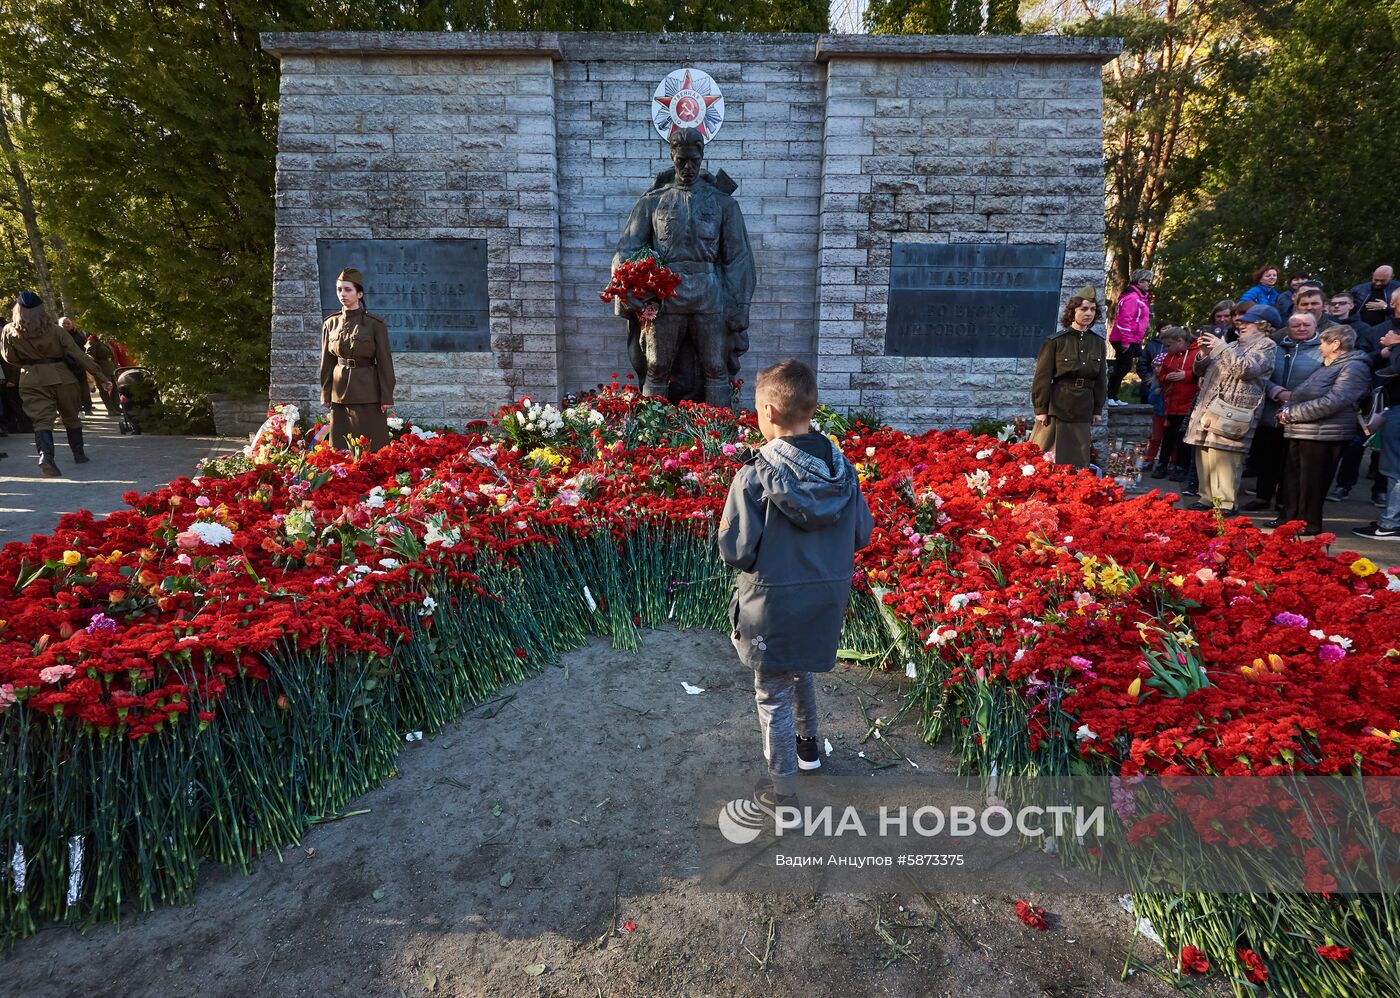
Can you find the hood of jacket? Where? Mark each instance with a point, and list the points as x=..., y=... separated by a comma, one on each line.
x=803, y=487
x=1352, y=356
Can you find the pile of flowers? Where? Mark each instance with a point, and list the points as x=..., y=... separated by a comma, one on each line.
x=235, y=656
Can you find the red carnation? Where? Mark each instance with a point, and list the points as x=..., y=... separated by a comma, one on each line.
x=1032, y=915
x=1334, y=952
x=1192, y=961
x=1254, y=968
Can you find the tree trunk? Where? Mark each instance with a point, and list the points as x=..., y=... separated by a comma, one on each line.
x=26, y=207
x=65, y=267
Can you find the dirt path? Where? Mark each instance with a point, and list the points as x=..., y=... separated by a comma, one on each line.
x=581, y=788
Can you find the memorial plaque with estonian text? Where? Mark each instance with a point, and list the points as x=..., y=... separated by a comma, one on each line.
x=431, y=293
x=972, y=299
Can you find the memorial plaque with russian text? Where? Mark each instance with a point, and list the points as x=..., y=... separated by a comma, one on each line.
x=430, y=292
x=972, y=299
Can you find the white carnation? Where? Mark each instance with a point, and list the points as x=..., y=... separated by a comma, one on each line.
x=212, y=534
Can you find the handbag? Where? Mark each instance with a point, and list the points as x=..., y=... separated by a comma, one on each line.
x=1224, y=418
x=1371, y=417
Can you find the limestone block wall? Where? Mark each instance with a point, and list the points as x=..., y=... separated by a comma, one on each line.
x=978, y=148
x=413, y=142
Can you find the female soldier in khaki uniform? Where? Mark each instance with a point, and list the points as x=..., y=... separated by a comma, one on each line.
x=35, y=344
x=357, y=371
x=1071, y=382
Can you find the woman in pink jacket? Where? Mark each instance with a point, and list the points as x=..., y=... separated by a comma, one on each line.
x=1130, y=325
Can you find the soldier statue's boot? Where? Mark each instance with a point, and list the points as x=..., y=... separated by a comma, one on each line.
x=717, y=393
x=43, y=442
x=657, y=388
x=75, y=443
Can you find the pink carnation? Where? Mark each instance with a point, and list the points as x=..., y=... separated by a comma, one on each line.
x=55, y=674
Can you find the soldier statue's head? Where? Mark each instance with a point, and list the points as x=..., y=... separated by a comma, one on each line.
x=687, y=152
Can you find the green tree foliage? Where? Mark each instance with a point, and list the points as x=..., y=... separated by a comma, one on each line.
x=1179, y=64
x=1297, y=172
x=942, y=17
x=150, y=132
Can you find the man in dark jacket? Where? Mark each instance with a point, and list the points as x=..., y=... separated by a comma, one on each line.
x=1371, y=300
x=1387, y=527
x=801, y=499
x=1341, y=309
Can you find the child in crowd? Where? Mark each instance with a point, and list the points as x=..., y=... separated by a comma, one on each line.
x=1175, y=373
x=792, y=523
x=1152, y=352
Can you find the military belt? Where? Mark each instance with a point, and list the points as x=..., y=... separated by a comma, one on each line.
x=352, y=362
x=1076, y=382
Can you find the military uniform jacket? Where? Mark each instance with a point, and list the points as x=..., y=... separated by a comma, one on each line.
x=40, y=357
x=1071, y=376
x=359, y=336
x=699, y=233
x=102, y=353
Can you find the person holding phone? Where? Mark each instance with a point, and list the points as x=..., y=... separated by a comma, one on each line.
x=1228, y=407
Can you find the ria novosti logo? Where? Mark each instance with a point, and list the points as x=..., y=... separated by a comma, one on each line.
x=741, y=821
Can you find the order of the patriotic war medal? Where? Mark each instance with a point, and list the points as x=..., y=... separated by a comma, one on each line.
x=688, y=98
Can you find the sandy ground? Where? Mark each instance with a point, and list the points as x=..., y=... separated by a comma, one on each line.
x=580, y=784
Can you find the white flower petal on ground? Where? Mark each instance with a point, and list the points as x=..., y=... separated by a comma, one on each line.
x=692, y=690
x=826, y=744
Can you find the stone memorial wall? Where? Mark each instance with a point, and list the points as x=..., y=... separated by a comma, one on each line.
x=913, y=204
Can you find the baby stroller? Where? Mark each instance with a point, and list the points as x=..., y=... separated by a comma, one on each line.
x=136, y=395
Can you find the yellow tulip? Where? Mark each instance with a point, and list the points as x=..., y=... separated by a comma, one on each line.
x=1135, y=687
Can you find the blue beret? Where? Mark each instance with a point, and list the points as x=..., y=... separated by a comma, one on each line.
x=28, y=299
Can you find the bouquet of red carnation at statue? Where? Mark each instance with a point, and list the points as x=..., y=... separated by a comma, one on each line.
x=642, y=278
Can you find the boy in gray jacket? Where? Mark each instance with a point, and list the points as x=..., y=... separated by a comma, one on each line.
x=792, y=523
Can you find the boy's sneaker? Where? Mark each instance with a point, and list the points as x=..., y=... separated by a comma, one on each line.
x=809, y=754
x=1338, y=494
x=1378, y=532
x=1191, y=490
x=769, y=800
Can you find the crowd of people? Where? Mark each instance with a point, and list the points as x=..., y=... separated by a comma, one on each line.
x=44, y=369
x=1288, y=383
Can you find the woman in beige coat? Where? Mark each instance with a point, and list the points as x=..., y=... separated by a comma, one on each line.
x=357, y=370
x=1230, y=403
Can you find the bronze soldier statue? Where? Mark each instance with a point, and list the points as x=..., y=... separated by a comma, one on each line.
x=693, y=224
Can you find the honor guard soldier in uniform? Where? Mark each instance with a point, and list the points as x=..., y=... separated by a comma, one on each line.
x=357, y=371
x=47, y=359
x=1071, y=382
